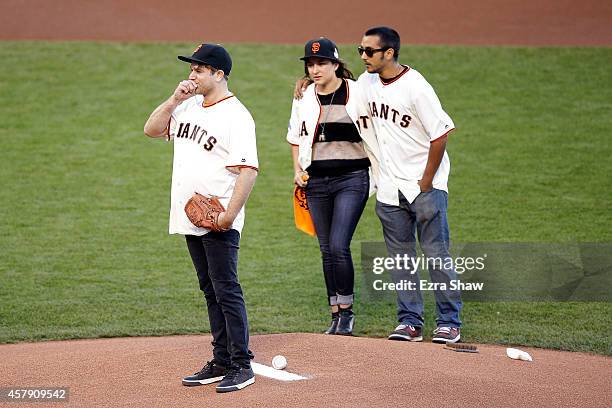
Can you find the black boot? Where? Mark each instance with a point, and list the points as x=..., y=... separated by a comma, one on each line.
x=334, y=324
x=346, y=322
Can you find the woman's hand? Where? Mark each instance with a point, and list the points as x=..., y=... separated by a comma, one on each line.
x=301, y=178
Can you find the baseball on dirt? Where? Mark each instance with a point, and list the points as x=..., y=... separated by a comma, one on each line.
x=279, y=362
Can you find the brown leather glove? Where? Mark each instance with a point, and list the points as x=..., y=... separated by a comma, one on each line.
x=204, y=212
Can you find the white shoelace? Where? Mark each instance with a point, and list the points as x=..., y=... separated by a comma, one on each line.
x=403, y=326
x=442, y=330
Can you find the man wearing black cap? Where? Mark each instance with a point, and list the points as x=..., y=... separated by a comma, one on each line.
x=215, y=154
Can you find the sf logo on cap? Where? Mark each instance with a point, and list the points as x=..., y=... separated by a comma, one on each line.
x=316, y=47
x=198, y=48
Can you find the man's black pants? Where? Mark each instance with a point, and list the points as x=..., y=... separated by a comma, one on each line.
x=215, y=258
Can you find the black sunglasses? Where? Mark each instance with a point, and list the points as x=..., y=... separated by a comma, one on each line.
x=369, y=51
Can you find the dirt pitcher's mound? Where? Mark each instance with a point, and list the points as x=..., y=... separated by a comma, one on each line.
x=340, y=371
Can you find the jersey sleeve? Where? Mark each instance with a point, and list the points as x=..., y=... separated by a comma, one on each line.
x=434, y=119
x=242, y=144
x=293, y=127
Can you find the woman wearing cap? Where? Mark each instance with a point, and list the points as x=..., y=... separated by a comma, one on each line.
x=327, y=131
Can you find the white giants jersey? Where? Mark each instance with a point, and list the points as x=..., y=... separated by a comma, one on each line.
x=211, y=143
x=407, y=117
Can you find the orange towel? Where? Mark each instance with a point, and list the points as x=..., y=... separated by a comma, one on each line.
x=303, y=221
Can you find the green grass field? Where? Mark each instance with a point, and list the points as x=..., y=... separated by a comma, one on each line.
x=84, y=249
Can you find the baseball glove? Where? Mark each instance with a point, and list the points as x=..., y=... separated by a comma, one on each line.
x=204, y=212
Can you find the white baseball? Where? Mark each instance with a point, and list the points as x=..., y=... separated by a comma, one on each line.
x=279, y=362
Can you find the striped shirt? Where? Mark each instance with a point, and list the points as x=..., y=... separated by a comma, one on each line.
x=337, y=148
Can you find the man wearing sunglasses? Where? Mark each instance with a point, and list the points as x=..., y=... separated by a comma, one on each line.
x=411, y=128
x=412, y=194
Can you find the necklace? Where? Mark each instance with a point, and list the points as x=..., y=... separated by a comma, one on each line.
x=322, y=135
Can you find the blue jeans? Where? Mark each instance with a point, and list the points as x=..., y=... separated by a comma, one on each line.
x=215, y=258
x=427, y=216
x=336, y=204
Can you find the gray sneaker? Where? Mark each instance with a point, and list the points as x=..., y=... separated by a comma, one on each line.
x=446, y=335
x=407, y=332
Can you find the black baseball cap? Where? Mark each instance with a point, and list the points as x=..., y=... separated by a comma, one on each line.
x=321, y=47
x=210, y=54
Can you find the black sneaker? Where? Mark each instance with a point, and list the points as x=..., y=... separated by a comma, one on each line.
x=345, y=323
x=446, y=335
x=407, y=332
x=210, y=373
x=237, y=378
x=334, y=324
